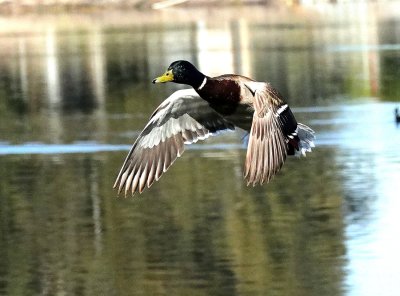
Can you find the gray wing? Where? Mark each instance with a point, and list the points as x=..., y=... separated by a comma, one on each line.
x=183, y=118
x=267, y=148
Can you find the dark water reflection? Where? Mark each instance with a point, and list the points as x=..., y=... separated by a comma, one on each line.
x=62, y=230
x=71, y=102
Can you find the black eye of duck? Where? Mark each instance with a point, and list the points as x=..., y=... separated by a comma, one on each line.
x=190, y=115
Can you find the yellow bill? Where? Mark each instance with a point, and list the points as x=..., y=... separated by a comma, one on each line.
x=166, y=77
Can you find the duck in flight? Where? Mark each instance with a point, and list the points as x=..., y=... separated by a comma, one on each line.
x=214, y=104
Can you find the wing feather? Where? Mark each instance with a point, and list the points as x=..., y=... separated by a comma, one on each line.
x=267, y=147
x=183, y=118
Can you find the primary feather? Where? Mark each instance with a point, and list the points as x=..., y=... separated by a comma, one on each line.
x=183, y=118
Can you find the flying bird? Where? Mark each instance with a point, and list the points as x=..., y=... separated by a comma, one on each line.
x=214, y=104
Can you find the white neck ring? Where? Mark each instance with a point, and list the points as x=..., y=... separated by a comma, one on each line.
x=202, y=84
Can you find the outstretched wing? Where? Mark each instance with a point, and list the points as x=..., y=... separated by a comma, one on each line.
x=183, y=118
x=273, y=127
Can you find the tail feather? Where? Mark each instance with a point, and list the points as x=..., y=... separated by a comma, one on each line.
x=307, y=137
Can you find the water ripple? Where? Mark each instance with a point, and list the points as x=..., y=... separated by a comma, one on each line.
x=41, y=148
x=94, y=147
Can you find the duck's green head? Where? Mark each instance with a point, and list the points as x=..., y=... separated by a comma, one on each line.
x=182, y=72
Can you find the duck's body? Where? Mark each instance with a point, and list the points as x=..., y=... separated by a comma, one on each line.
x=215, y=104
x=227, y=95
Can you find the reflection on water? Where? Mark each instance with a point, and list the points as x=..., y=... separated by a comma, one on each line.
x=72, y=101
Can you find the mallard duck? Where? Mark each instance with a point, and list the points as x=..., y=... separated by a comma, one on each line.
x=214, y=104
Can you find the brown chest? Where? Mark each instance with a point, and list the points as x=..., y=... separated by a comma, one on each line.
x=223, y=95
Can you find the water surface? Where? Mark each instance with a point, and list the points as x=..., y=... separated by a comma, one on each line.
x=73, y=100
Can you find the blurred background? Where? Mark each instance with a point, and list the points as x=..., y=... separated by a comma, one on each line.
x=75, y=91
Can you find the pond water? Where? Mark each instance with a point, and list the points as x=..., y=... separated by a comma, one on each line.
x=73, y=99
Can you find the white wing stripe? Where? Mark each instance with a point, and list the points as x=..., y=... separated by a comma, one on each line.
x=281, y=109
